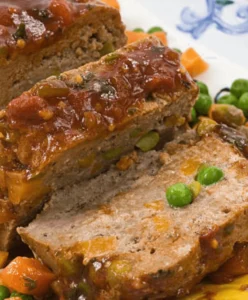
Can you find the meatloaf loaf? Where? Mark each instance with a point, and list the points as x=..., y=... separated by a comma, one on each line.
x=116, y=237
x=43, y=38
x=72, y=127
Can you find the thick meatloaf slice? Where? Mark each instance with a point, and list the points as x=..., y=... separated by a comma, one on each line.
x=116, y=237
x=43, y=38
x=72, y=127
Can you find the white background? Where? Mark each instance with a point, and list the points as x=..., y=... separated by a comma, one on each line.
x=235, y=48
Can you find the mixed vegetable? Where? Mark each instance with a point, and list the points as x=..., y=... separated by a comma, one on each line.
x=230, y=107
x=25, y=278
x=180, y=194
x=139, y=33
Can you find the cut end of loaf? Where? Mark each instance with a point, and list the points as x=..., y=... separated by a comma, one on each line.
x=85, y=119
x=120, y=228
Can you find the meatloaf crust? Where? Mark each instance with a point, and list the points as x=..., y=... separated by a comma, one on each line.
x=72, y=127
x=43, y=38
x=116, y=237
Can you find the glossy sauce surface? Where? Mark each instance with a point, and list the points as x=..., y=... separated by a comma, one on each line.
x=101, y=97
x=27, y=25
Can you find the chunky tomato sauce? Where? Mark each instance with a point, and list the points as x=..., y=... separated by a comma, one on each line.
x=27, y=25
x=56, y=114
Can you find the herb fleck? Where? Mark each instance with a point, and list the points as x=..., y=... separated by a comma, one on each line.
x=111, y=58
x=20, y=32
x=30, y=283
x=158, y=49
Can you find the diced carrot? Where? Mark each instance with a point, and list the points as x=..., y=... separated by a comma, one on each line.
x=193, y=62
x=62, y=10
x=14, y=298
x=113, y=3
x=162, y=36
x=133, y=36
x=27, y=276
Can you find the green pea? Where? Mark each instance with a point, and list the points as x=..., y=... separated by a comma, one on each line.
x=112, y=154
x=149, y=141
x=193, y=116
x=138, y=30
x=22, y=296
x=177, y=50
x=239, y=87
x=4, y=292
x=228, y=99
x=155, y=29
x=209, y=175
x=203, y=104
x=107, y=48
x=243, y=103
x=202, y=88
x=179, y=195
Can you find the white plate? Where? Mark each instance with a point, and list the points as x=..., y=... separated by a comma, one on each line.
x=221, y=72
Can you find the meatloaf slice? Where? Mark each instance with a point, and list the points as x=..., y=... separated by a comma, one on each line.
x=43, y=38
x=116, y=237
x=72, y=127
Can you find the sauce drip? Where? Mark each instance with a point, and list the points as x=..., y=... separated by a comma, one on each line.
x=57, y=114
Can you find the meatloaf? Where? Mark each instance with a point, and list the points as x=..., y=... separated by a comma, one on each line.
x=43, y=38
x=72, y=127
x=116, y=236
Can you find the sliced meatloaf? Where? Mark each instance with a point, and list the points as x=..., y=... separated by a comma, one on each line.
x=72, y=127
x=43, y=38
x=116, y=237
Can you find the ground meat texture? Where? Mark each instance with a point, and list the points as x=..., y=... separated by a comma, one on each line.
x=43, y=38
x=72, y=127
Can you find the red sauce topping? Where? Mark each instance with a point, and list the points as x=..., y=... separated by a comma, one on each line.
x=56, y=114
x=26, y=25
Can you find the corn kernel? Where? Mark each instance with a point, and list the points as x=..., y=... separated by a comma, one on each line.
x=111, y=127
x=214, y=244
x=78, y=79
x=174, y=121
x=46, y=114
x=124, y=163
x=1, y=136
x=21, y=43
x=155, y=205
x=190, y=166
x=61, y=104
x=205, y=126
x=195, y=187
